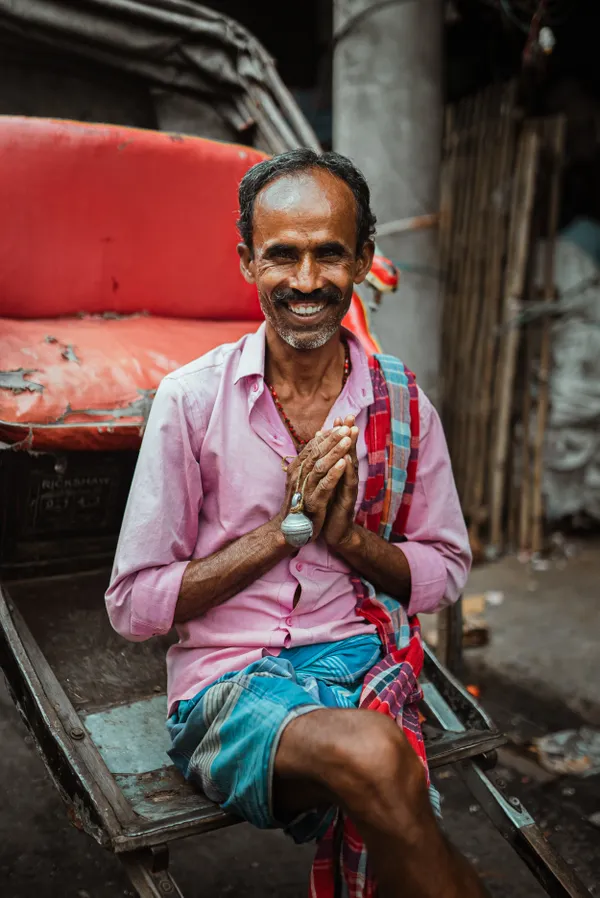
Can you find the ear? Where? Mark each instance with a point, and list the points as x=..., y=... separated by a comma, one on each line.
x=246, y=263
x=364, y=261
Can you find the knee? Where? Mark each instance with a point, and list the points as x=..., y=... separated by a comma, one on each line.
x=377, y=774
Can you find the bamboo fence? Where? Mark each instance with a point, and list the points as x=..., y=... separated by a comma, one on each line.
x=500, y=193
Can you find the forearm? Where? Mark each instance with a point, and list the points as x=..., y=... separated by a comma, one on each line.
x=381, y=563
x=208, y=582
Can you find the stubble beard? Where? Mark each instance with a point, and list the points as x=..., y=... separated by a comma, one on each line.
x=296, y=339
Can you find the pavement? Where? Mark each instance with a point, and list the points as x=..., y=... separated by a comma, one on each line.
x=545, y=635
x=540, y=673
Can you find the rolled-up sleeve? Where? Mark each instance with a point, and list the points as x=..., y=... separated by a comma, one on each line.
x=160, y=525
x=437, y=547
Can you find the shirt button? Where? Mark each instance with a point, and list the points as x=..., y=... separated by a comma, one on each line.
x=299, y=566
x=255, y=388
x=363, y=391
x=289, y=621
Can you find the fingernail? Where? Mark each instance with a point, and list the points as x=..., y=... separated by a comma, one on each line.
x=342, y=431
x=340, y=463
x=345, y=442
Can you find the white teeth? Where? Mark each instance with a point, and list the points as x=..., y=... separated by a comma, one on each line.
x=306, y=310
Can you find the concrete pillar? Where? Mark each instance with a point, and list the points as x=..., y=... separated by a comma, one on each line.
x=387, y=117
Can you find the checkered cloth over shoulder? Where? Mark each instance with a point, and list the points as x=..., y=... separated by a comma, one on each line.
x=341, y=866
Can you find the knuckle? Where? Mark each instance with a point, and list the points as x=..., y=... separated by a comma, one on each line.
x=319, y=467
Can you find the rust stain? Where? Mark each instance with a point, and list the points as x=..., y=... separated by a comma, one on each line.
x=124, y=144
x=15, y=381
x=176, y=138
x=50, y=339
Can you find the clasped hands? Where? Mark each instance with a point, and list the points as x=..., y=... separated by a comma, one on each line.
x=328, y=468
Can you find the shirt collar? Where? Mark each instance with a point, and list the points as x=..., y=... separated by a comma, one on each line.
x=252, y=364
x=252, y=358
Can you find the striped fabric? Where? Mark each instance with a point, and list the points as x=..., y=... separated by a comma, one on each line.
x=341, y=866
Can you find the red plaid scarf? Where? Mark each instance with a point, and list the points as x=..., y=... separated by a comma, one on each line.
x=391, y=687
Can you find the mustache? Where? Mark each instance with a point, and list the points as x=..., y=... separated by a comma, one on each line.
x=284, y=295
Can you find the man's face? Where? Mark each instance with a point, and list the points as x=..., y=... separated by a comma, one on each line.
x=304, y=260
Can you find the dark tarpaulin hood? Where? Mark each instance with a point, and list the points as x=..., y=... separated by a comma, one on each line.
x=177, y=48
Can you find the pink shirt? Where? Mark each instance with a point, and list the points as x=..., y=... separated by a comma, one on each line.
x=209, y=471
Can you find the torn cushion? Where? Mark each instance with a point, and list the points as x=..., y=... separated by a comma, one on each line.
x=88, y=382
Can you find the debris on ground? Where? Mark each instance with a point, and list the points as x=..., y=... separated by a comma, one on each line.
x=575, y=752
x=475, y=627
x=517, y=759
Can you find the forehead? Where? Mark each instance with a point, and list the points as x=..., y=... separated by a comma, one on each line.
x=304, y=206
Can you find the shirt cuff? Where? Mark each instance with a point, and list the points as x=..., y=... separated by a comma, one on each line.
x=428, y=577
x=154, y=599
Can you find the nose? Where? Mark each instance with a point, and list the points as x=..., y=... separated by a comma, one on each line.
x=307, y=276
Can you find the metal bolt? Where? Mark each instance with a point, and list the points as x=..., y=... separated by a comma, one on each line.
x=166, y=886
x=514, y=801
x=60, y=465
x=77, y=733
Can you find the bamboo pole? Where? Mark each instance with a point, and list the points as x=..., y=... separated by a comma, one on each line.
x=497, y=238
x=474, y=337
x=557, y=132
x=522, y=207
x=454, y=297
x=461, y=381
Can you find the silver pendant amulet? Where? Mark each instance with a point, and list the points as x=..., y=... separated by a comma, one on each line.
x=297, y=529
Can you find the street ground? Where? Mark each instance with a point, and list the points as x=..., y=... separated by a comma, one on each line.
x=539, y=674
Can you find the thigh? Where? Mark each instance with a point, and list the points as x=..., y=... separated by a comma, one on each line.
x=228, y=743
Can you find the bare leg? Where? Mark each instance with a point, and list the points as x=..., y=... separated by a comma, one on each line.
x=361, y=761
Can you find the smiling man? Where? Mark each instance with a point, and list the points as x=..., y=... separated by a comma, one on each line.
x=269, y=523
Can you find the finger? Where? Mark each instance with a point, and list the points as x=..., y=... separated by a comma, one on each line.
x=351, y=472
x=321, y=448
x=338, y=422
x=325, y=462
x=350, y=420
x=325, y=487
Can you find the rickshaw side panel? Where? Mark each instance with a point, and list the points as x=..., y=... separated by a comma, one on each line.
x=61, y=512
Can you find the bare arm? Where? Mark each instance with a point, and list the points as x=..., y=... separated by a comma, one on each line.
x=381, y=563
x=208, y=582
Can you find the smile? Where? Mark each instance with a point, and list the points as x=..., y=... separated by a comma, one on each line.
x=304, y=310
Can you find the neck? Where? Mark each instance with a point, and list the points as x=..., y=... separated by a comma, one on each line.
x=302, y=371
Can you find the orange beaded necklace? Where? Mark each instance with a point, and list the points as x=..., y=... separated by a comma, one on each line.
x=279, y=407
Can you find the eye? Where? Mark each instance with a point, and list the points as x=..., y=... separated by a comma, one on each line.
x=330, y=253
x=283, y=255
x=280, y=253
